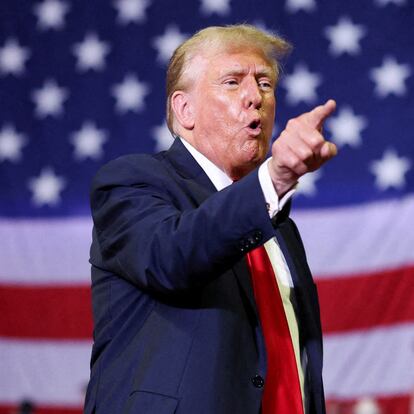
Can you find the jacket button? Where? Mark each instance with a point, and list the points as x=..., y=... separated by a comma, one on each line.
x=258, y=381
x=258, y=236
x=252, y=242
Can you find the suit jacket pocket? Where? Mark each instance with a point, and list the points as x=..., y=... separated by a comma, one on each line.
x=146, y=402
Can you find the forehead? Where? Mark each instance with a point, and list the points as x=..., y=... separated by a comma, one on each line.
x=218, y=62
x=243, y=62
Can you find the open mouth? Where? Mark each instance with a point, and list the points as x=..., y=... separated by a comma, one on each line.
x=255, y=127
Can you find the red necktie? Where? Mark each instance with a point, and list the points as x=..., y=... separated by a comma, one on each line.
x=282, y=393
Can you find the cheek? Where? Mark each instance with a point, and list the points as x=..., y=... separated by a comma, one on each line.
x=270, y=117
x=225, y=105
x=222, y=120
x=271, y=106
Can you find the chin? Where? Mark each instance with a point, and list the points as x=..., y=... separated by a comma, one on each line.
x=252, y=148
x=255, y=154
x=246, y=165
x=249, y=156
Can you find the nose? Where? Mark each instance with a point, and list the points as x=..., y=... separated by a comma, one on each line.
x=252, y=98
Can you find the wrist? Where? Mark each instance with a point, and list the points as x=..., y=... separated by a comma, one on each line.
x=282, y=183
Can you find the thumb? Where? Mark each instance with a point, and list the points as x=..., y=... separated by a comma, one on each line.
x=328, y=150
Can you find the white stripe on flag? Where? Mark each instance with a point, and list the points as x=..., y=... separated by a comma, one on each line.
x=45, y=251
x=378, y=362
x=339, y=242
x=365, y=238
x=369, y=363
x=45, y=372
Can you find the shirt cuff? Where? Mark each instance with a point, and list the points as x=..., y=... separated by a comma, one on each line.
x=273, y=203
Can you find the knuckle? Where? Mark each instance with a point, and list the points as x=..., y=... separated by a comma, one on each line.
x=292, y=123
x=315, y=140
x=299, y=167
x=283, y=137
x=278, y=145
x=294, y=162
x=282, y=141
x=306, y=153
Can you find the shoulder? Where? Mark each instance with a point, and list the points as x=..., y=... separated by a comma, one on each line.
x=130, y=169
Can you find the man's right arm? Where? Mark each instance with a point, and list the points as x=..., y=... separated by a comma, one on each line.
x=301, y=148
x=148, y=232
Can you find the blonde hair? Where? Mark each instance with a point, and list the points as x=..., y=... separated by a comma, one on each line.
x=220, y=37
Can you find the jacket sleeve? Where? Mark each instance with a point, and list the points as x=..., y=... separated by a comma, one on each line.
x=142, y=234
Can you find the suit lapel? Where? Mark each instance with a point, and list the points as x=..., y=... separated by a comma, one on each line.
x=182, y=163
x=199, y=188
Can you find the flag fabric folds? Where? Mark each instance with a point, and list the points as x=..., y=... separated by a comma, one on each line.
x=84, y=82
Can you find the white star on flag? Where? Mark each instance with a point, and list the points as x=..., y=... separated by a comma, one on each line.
x=293, y=6
x=88, y=141
x=11, y=144
x=163, y=137
x=13, y=57
x=130, y=94
x=390, y=77
x=91, y=53
x=220, y=7
x=49, y=99
x=383, y=3
x=131, y=11
x=346, y=127
x=168, y=42
x=260, y=24
x=46, y=188
x=83, y=82
x=367, y=405
x=345, y=37
x=307, y=183
x=301, y=85
x=390, y=170
x=51, y=14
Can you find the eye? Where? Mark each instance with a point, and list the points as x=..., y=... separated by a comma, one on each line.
x=231, y=82
x=265, y=84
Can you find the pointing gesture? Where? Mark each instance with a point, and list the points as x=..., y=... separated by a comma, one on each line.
x=317, y=116
x=301, y=148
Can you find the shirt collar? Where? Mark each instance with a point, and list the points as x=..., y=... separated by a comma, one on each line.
x=218, y=177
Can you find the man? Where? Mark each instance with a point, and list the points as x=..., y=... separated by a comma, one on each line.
x=179, y=319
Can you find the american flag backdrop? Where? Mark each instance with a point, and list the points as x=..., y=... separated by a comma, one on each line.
x=82, y=82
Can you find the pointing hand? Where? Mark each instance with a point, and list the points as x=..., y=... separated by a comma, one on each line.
x=301, y=148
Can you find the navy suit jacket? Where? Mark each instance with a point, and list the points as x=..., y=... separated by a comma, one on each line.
x=176, y=328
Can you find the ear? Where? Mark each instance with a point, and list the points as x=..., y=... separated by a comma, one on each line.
x=181, y=104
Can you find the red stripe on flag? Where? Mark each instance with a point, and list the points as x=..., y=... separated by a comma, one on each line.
x=46, y=312
x=347, y=303
x=12, y=409
x=397, y=404
x=365, y=301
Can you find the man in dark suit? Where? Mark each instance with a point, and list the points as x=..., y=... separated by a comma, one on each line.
x=177, y=326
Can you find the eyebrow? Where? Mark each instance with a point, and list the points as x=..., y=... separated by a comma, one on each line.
x=239, y=72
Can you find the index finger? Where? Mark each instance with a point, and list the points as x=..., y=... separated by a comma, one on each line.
x=317, y=116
